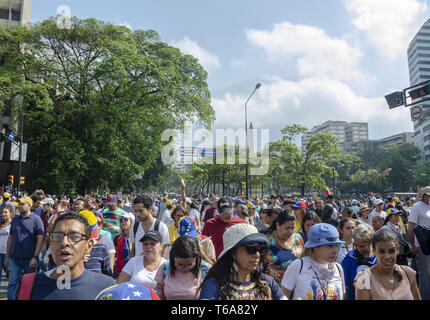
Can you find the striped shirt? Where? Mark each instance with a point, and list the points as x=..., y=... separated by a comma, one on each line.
x=99, y=260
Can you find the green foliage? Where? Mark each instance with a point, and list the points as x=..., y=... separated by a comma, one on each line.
x=97, y=98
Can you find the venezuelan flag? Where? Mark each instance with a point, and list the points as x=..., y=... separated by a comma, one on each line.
x=327, y=191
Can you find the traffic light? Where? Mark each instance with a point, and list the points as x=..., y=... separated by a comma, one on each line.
x=243, y=185
x=420, y=92
x=11, y=180
x=22, y=180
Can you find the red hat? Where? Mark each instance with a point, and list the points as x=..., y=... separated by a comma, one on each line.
x=390, y=205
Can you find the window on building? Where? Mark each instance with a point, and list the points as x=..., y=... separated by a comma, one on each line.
x=16, y=16
x=4, y=14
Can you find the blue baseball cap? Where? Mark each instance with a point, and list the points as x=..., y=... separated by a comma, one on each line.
x=322, y=234
x=187, y=227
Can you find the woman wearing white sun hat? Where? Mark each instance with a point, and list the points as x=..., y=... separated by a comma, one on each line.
x=237, y=274
x=317, y=275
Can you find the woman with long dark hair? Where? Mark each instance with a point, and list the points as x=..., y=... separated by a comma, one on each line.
x=309, y=219
x=237, y=274
x=285, y=246
x=346, y=227
x=180, y=277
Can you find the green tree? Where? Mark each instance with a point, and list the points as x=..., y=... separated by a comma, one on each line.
x=306, y=168
x=97, y=98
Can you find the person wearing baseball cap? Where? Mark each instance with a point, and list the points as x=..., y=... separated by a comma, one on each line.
x=111, y=216
x=237, y=274
x=142, y=269
x=420, y=216
x=300, y=209
x=317, y=275
x=99, y=259
x=379, y=204
x=216, y=227
x=392, y=222
x=187, y=227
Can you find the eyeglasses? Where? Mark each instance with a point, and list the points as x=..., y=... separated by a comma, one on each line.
x=123, y=219
x=73, y=237
x=252, y=249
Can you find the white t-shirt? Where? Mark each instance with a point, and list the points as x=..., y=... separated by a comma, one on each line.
x=306, y=285
x=374, y=213
x=139, y=274
x=194, y=214
x=4, y=234
x=420, y=215
x=162, y=228
x=167, y=218
x=109, y=244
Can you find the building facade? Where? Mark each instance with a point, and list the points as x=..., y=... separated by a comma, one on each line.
x=346, y=133
x=419, y=71
x=15, y=12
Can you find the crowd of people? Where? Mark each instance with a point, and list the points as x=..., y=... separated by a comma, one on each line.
x=153, y=247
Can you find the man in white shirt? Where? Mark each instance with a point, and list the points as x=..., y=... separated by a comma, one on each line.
x=377, y=211
x=420, y=215
x=142, y=208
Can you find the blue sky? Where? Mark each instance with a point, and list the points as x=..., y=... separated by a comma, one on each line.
x=317, y=60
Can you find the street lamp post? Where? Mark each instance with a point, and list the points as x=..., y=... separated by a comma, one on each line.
x=246, y=133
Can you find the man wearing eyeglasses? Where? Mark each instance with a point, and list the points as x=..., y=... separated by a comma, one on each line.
x=70, y=242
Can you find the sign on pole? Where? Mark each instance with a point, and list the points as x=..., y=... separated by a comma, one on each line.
x=395, y=99
x=417, y=112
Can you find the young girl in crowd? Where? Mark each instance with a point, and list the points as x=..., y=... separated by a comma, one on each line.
x=346, y=227
x=309, y=219
x=180, y=277
x=317, y=275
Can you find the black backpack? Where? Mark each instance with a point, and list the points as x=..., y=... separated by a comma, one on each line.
x=136, y=225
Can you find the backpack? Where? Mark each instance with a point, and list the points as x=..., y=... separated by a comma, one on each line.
x=26, y=287
x=136, y=225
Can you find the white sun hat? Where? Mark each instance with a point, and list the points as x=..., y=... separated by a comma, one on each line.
x=241, y=234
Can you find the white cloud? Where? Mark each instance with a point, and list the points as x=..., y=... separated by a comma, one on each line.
x=389, y=25
x=310, y=102
x=208, y=60
x=126, y=24
x=317, y=53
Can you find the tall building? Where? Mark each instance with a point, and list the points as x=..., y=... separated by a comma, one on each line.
x=15, y=12
x=419, y=71
x=345, y=132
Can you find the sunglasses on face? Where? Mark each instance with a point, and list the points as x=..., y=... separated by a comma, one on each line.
x=124, y=219
x=252, y=249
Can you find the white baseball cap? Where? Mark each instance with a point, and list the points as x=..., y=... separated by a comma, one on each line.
x=377, y=202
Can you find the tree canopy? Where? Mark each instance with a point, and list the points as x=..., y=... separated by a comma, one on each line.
x=97, y=98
